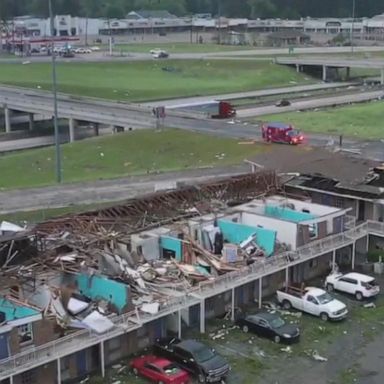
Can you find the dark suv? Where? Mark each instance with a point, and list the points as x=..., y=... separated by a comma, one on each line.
x=195, y=357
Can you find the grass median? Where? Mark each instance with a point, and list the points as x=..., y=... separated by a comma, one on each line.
x=358, y=121
x=137, y=152
x=152, y=80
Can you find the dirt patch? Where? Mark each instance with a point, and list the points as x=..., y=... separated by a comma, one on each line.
x=305, y=159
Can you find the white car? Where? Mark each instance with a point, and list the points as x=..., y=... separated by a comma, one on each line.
x=357, y=284
x=154, y=51
x=83, y=50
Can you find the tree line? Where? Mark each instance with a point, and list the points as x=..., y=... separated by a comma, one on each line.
x=230, y=8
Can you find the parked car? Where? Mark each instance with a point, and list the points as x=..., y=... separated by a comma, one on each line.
x=357, y=284
x=283, y=103
x=312, y=300
x=155, y=50
x=269, y=325
x=195, y=357
x=159, y=370
x=68, y=54
x=159, y=53
x=83, y=50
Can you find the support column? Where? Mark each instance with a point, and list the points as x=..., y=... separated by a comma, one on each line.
x=333, y=259
x=287, y=276
x=353, y=254
x=102, y=360
x=96, y=128
x=11, y=380
x=298, y=69
x=382, y=76
x=367, y=245
x=72, y=126
x=348, y=74
x=260, y=291
x=233, y=305
x=58, y=371
x=324, y=73
x=179, y=324
x=7, y=117
x=202, y=316
x=31, y=121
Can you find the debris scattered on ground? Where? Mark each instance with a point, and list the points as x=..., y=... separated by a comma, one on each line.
x=286, y=349
x=116, y=366
x=370, y=305
x=318, y=357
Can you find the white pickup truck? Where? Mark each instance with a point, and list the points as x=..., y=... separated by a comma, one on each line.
x=312, y=300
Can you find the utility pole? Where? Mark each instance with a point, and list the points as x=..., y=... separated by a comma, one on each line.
x=219, y=15
x=353, y=23
x=54, y=91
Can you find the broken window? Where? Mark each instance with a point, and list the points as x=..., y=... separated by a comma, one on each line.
x=312, y=228
x=25, y=333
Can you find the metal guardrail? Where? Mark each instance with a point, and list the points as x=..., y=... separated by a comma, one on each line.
x=51, y=351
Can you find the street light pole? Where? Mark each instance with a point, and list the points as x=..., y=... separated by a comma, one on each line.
x=54, y=91
x=353, y=23
x=219, y=14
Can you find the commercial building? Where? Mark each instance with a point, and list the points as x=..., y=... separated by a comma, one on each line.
x=82, y=291
x=30, y=30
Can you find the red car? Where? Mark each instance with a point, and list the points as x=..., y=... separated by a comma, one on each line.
x=159, y=370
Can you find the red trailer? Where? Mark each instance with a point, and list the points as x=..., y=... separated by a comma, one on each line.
x=281, y=133
x=225, y=110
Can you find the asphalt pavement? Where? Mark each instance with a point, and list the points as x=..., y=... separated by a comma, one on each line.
x=241, y=54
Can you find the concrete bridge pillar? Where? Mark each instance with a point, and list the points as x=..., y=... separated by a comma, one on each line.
x=348, y=73
x=7, y=118
x=382, y=76
x=72, y=126
x=96, y=128
x=325, y=73
x=298, y=68
x=31, y=121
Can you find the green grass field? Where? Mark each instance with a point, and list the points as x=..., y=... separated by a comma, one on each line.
x=137, y=152
x=359, y=120
x=178, y=47
x=152, y=80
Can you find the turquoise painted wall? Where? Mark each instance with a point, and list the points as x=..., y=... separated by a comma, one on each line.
x=14, y=312
x=236, y=233
x=287, y=214
x=98, y=288
x=173, y=244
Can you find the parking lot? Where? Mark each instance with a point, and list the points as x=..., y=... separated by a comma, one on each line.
x=351, y=349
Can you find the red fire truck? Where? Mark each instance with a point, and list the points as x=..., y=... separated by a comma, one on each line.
x=281, y=133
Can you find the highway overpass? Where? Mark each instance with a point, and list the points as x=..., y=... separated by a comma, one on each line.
x=329, y=62
x=75, y=109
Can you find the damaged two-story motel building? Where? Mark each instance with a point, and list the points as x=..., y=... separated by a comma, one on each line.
x=80, y=292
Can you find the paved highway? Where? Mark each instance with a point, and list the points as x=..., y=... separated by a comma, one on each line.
x=119, y=114
x=131, y=115
x=310, y=104
x=242, y=95
x=266, y=52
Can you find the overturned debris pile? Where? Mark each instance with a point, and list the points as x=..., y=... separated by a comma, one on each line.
x=75, y=255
